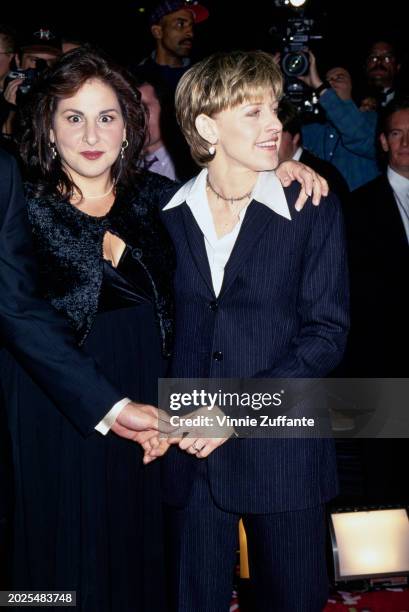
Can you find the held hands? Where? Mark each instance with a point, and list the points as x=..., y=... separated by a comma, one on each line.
x=135, y=421
x=312, y=184
x=195, y=440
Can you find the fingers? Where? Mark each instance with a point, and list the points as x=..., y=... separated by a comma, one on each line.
x=174, y=440
x=148, y=459
x=11, y=90
x=156, y=452
x=188, y=440
x=312, y=185
x=210, y=446
x=201, y=447
x=301, y=200
x=197, y=446
x=146, y=435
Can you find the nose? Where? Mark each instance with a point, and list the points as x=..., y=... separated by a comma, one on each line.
x=188, y=30
x=90, y=133
x=273, y=123
x=405, y=138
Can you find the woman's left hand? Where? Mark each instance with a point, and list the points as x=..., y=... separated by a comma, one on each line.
x=312, y=184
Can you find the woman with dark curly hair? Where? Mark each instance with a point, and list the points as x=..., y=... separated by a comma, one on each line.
x=87, y=510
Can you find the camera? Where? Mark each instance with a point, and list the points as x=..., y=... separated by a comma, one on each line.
x=295, y=61
x=294, y=37
x=28, y=77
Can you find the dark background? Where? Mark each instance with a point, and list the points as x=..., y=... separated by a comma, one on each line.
x=118, y=26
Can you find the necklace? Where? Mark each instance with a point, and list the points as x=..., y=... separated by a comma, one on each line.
x=219, y=195
x=96, y=197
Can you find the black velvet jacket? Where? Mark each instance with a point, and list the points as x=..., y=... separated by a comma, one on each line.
x=69, y=245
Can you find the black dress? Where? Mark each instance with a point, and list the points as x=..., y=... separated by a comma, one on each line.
x=88, y=513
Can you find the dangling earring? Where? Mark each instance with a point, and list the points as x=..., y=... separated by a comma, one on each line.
x=212, y=150
x=125, y=145
x=53, y=150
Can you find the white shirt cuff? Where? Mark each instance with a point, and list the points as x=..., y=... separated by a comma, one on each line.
x=109, y=419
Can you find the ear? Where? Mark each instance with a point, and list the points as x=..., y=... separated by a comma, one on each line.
x=384, y=142
x=124, y=134
x=52, y=135
x=297, y=140
x=207, y=129
x=156, y=31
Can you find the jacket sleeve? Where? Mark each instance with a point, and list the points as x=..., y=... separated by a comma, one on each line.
x=357, y=129
x=323, y=300
x=33, y=331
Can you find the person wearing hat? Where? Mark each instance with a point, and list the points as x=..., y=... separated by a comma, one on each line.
x=42, y=44
x=172, y=26
x=38, y=50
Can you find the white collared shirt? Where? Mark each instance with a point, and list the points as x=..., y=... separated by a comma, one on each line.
x=162, y=163
x=297, y=154
x=267, y=191
x=400, y=188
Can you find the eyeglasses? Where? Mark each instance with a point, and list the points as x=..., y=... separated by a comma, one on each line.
x=6, y=52
x=374, y=59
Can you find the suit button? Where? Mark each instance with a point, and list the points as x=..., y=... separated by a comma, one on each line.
x=136, y=253
x=213, y=305
x=218, y=356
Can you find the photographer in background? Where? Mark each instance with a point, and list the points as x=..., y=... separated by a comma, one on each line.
x=291, y=147
x=39, y=50
x=346, y=138
x=7, y=56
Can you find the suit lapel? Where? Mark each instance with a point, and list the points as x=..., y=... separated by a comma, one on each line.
x=196, y=243
x=256, y=220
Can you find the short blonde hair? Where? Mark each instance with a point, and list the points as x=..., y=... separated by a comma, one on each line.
x=219, y=82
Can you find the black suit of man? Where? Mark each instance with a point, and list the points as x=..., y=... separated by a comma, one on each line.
x=379, y=268
x=379, y=338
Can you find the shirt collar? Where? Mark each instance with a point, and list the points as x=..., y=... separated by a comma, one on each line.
x=398, y=182
x=297, y=154
x=267, y=190
x=160, y=154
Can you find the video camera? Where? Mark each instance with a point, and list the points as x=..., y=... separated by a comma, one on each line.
x=295, y=37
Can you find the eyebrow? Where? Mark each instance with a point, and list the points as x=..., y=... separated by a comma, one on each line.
x=260, y=103
x=78, y=112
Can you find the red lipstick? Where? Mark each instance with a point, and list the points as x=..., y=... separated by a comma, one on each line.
x=91, y=154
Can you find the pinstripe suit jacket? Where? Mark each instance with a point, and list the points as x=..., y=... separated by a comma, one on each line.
x=282, y=312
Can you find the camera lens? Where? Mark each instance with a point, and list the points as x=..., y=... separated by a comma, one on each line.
x=295, y=63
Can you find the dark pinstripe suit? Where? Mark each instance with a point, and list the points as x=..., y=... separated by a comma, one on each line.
x=282, y=312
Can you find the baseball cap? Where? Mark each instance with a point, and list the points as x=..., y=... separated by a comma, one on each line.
x=200, y=12
x=42, y=40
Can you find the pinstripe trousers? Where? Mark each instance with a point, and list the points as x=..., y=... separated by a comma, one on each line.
x=286, y=556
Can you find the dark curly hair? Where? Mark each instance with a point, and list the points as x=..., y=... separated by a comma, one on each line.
x=62, y=80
